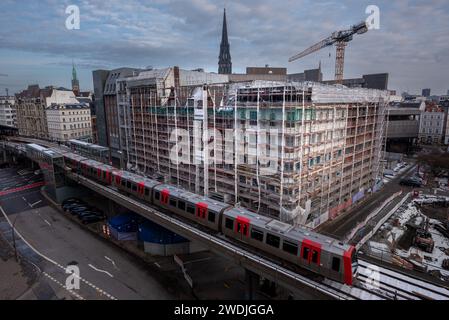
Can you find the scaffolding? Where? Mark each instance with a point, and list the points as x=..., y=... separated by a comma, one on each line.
x=323, y=141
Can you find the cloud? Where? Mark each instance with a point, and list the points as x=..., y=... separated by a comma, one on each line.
x=411, y=45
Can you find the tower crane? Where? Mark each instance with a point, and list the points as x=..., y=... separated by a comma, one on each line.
x=340, y=39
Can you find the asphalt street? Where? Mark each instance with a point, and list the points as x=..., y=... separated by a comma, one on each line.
x=345, y=223
x=53, y=242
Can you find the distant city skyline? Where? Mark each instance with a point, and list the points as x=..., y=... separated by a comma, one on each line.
x=38, y=49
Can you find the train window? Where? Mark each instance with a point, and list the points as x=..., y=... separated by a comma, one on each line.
x=314, y=256
x=336, y=264
x=190, y=209
x=229, y=224
x=147, y=192
x=256, y=234
x=211, y=216
x=290, y=247
x=128, y=185
x=157, y=195
x=181, y=205
x=273, y=240
x=173, y=202
x=134, y=187
x=123, y=183
x=305, y=253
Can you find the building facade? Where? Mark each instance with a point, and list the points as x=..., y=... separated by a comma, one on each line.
x=8, y=111
x=321, y=156
x=432, y=124
x=31, y=116
x=69, y=121
x=31, y=105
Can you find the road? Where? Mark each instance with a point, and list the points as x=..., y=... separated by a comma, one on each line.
x=343, y=224
x=105, y=271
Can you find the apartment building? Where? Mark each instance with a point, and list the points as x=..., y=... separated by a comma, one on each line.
x=432, y=124
x=69, y=121
x=8, y=111
x=31, y=105
x=301, y=152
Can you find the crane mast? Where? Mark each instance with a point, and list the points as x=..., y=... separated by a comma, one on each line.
x=340, y=39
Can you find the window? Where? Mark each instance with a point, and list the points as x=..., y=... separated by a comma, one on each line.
x=157, y=195
x=181, y=205
x=123, y=183
x=211, y=216
x=229, y=224
x=134, y=187
x=190, y=209
x=256, y=234
x=305, y=253
x=128, y=185
x=290, y=247
x=147, y=192
x=314, y=256
x=336, y=264
x=173, y=203
x=273, y=240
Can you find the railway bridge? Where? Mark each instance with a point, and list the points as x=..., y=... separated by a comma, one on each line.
x=255, y=263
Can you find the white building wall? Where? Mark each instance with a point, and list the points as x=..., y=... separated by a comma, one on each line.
x=431, y=127
x=66, y=123
x=8, y=112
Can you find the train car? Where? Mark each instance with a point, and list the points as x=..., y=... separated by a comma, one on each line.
x=310, y=250
x=140, y=187
x=73, y=161
x=203, y=210
x=99, y=171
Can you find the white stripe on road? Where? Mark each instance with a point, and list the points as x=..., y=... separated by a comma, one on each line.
x=112, y=261
x=99, y=270
x=37, y=202
x=47, y=222
x=47, y=258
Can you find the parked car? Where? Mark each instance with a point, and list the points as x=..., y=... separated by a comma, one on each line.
x=72, y=200
x=78, y=210
x=92, y=219
x=90, y=213
x=410, y=183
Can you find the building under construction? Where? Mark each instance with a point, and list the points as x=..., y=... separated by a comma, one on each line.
x=300, y=151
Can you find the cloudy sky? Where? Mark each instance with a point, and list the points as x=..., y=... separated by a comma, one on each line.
x=36, y=47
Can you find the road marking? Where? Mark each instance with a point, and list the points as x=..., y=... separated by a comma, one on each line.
x=99, y=270
x=158, y=265
x=47, y=222
x=112, y=261
x=47, y=258
x=79, y=297
x=37, y=202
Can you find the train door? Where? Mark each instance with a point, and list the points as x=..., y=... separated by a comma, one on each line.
x=108, y=177
x=311, y=254
x=201, y=210
x=141, y=188
x=118, y=180
x=164, y=196
x=242, y=227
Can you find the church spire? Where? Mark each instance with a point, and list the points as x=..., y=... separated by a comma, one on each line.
x=224, y=60
x=73, y=72
x=75, y=81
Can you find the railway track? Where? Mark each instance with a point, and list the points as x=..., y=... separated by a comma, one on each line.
x=395, y=285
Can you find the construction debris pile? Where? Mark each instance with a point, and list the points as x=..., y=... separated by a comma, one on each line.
x=414, y=240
